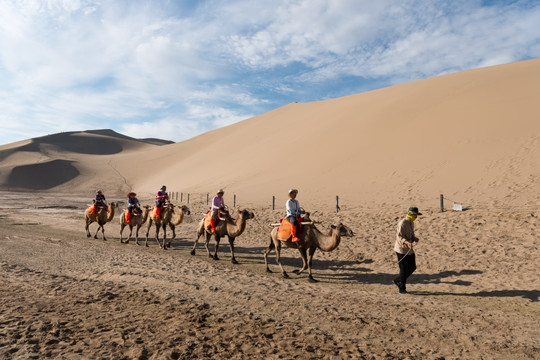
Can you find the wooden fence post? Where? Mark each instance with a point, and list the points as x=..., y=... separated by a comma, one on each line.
x=442, y=203
x=337, y=204
x=273, y=202
x=234, y=201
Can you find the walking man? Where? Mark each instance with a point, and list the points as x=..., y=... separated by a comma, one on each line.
x=405, y=238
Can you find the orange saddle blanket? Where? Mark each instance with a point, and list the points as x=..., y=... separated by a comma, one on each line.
x=207, y=220
x=284, y=230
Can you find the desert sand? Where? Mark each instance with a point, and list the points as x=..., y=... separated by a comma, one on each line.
x=473, y=137
x=475, y=294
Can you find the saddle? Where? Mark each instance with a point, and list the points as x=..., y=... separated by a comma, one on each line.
x=95, y=208
x=284, y=231
x=208, y=218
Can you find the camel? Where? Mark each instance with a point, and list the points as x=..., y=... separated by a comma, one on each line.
x=311, y=239
x=168, y=217
x=230, y=227
x=102, y=216
x=138, y=218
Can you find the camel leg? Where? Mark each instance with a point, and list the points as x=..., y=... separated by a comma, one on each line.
x=103, y=231
x=207, y=241
x=173, y=235
x=309, y=261
x=278, y=260
x=137, y=234
x=87, y=227
x=122, y=226
x=303, y=255
x=271, y=247
x=231, y=243
x=217, y=246
x=164, y=226
x=97, y=230
x=147, y=232
x=130, y=233
x=157, y=235
x=199, y=233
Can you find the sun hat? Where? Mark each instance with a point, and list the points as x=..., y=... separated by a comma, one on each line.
x=131, y=194
x=99, y=191
x=293, y=191
x=163, y=187
x=413, y=210
x=220, y=191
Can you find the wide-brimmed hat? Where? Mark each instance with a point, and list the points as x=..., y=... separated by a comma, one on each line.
x=220, y=191
x=295, y=191
x=413, y=210
x=99, y=191
x=163, y=187
x=131, y=194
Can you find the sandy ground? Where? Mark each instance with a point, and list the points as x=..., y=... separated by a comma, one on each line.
x=475, y=294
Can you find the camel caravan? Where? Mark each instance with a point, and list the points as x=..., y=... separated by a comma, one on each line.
x=295, y=231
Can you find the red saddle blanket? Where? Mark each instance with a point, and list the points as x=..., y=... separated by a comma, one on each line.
x=284, y=230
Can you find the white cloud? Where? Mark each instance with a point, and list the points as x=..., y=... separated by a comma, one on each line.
x=194, y=66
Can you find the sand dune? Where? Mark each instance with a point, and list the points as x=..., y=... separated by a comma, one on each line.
x=473, y=136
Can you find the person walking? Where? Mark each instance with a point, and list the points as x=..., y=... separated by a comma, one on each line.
x=405, y=238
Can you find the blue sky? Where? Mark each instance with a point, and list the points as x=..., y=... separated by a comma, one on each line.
x=176, y=69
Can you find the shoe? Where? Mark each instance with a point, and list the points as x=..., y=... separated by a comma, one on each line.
x=295, y=239
x=400, y=286
x=213, y=231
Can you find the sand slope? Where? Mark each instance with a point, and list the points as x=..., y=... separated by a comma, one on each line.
x=473, y=136
x=64, y=160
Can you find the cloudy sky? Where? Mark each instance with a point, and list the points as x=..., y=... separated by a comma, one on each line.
x=175, y=69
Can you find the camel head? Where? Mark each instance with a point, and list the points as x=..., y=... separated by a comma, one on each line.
x=185, y=209
x=246, y=214
x=343, y=230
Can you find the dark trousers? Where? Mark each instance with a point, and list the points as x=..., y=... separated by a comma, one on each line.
x=406, y=267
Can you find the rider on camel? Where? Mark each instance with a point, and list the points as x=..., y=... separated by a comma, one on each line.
x=133, y=203
x=218, y=204
x=161, y=198
x=293, y=212
x=99, y=201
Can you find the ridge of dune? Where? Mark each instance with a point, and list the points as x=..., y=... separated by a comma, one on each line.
x=473, y=135
x=50, y=161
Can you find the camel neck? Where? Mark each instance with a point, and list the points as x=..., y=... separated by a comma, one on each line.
x=327, y=242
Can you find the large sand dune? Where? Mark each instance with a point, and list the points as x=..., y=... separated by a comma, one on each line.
x=473, y=136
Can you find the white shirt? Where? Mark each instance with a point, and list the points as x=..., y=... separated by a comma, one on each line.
x=293, y=207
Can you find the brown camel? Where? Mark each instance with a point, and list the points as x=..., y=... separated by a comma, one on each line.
x=101, y=216
x=230, y=227
x=138, y=218
x=311, y=239
x=169, y=217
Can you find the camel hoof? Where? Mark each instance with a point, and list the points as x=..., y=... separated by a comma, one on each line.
x=168, y=245
x=269, y=271
x=215, y=257
x=192, y=252
x=95, y=237
x=88, y=235
x=312, y=280
x=234, y=261
x=297, y=272
x=127, y=241
x=285, y=275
